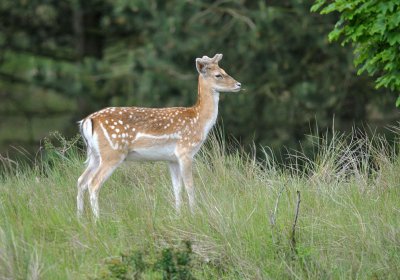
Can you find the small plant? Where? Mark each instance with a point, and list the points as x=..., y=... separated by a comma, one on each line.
x=126, y=266
x=175, y=263
x=57, y=146
x=54, y=150
x=171, y=264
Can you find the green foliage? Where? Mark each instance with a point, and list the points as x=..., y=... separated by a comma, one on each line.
x=372, y=28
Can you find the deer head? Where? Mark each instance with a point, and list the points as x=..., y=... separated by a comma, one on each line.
x=215, y=76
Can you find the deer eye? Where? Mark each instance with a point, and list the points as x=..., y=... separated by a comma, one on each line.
x=218, y=76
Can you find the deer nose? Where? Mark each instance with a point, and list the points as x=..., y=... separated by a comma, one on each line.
x=238, y=84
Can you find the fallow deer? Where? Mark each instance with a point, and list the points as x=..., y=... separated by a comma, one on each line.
x=175, y=135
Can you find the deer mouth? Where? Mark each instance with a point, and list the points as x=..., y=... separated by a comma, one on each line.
x=237, y=87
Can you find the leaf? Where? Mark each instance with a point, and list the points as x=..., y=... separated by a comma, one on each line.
x=393, y=38
x=318, y=4
x=334, y=34
x=329, y=9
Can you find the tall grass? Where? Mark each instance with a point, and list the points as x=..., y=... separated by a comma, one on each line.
x=348, y=224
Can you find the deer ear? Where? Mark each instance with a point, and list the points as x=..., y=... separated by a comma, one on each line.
x=201, y=66
x=217, y=57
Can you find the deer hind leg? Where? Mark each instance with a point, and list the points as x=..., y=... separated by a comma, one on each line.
x=105, y=169
x=176, y=183
x=93, y=164
x=185, y=166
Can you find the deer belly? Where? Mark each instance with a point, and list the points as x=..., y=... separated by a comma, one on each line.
x=158, y=152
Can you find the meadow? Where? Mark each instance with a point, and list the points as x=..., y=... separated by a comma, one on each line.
x=347, y=227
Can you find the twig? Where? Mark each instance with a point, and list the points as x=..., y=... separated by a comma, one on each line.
x=293, y=239
x=272, y=217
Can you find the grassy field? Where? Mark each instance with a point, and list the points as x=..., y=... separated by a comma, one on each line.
x=348, y=223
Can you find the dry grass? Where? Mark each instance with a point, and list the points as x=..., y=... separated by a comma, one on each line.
x=348, y=223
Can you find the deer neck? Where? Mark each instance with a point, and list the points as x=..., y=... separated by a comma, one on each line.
x=207, y=104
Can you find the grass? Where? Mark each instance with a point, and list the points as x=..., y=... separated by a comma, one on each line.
x=348, y=225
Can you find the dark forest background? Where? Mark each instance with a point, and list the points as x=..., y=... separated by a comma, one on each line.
x=63, y=59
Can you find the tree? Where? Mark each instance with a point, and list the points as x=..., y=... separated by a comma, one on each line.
x=373, y=29
x=62, y=59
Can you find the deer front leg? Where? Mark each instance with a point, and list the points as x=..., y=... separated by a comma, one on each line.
x=185, y=166
x=176, y=183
